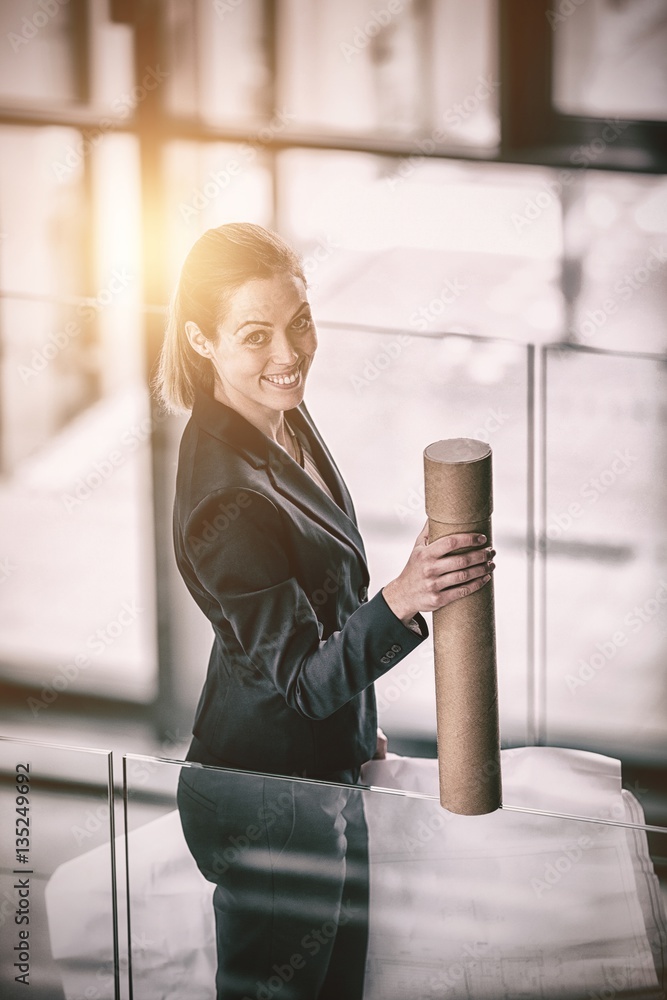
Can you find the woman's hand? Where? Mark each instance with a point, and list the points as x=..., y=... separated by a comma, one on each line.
x=437, y=574
x=381, y=746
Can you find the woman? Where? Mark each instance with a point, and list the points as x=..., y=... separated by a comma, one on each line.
x=267, y=542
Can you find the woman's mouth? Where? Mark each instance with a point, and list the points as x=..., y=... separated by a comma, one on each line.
x=286, y=380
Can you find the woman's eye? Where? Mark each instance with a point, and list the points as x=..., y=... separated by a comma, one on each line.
x=302, y=323
x=254, y=338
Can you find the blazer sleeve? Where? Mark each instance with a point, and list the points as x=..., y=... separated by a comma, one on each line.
x=246, y=570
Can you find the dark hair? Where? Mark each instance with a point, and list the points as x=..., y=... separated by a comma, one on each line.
x=218, y=264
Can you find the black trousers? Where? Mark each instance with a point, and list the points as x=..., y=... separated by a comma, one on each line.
x=289, y=861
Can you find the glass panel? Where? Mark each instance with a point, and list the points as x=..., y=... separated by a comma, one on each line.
x=615, y=229
x=606, y=574
x=609, y=58
x=75, y=497
x=211, y=184
x=425, y=70
x=427, y=247
x=218, y=61
x=39, y=60
x=44, y=210
x=56, y=822
x=486, y=906
x=63, y=51
x=408, y=390
x=75, y=503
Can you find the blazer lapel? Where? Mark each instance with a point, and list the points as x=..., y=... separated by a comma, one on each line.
x=287, y=477
x=337, y=517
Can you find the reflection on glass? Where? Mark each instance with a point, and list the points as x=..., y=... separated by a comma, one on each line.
x=605, y=534
x=515, y=903
x=56, y=826
x=609, y=58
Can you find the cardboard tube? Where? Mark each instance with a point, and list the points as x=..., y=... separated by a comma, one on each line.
x=459, y=497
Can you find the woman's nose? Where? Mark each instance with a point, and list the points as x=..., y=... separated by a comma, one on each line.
x=284, y=352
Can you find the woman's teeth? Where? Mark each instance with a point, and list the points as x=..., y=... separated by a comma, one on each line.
x=283, y=379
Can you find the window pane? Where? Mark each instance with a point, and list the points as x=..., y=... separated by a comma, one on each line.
x=218, y=59
x=615, y=229
x=428, y=247
x=606, y=629
x=39, y=56
x=406, y=69
x=406, y=391
x=610, y=58
x=211, y=184
x=77, y=613
x=44, y=210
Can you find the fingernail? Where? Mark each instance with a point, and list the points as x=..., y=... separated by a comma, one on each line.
x=481, y=538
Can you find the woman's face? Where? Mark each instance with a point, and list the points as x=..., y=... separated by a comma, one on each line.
x=266, y=343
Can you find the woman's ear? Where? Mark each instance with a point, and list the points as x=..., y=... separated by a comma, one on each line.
x=197, y=340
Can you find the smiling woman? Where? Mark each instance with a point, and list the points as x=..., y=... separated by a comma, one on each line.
x=267, y=542
x=263, y=348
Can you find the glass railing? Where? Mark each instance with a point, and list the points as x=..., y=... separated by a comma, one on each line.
x=281, y=887
x=57, y=837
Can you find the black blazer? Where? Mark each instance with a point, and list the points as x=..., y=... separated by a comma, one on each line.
x=280, y=571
